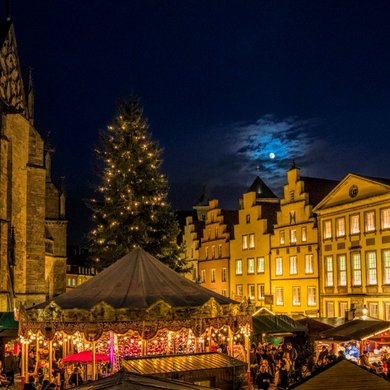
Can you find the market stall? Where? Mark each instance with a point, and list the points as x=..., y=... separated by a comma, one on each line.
x=136, y=307
x=356, y=336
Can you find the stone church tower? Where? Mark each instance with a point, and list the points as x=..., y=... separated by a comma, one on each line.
x=32, y=207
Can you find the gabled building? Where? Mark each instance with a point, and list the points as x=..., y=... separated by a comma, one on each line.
x=250, y=248
x=32, y=207
x=214, y=251
x=294, y=246
x=354, y=223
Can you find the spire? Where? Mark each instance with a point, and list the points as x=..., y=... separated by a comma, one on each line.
x=30, y=96
x=293, y=165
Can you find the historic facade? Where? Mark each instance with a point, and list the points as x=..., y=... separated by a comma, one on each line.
x=32, y=207
x=214, y=251
x=354, y=223
x=250, y=250
x=294, y=246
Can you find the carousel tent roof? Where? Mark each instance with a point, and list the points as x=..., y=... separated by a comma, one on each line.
x=137, y=281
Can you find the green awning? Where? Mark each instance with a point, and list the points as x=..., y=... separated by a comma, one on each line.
x=8, y=325
x=276, y=324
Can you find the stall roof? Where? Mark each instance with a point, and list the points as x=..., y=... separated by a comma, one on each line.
x=180, y=363
x=317, y=325
x=356, y=330
x=123, y=380
x=344, y=375
x=8, y=325
x=277, y=323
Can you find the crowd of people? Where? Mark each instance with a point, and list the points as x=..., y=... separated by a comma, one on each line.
x=286, y=364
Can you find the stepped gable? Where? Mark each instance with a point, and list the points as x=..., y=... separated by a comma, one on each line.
x=136, y=281
x=261, y=189
x=230, y=218
x=317, y=188
x=269, y=212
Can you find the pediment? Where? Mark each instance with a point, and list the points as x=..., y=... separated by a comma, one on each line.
x=353, y=188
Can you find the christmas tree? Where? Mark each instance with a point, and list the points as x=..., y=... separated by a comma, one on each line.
x=132, y=209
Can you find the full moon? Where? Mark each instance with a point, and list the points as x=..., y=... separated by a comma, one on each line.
x=272, y=156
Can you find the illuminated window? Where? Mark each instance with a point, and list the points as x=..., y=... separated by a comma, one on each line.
x=369, y=221
x=329, y=271
x=238, y=267
x=260, y=265
x=372, y=278
x=293, y=236
x=373, y=309
x=207, y=252
x=251, y=240
x=386, y=266
x=356, y=270
x=202, y=275
x=304, y=234
x=342, y=268
x=213, y=252
x=260, y=291
x=330, y=309
x=309, y=264
x=387, y=311
x=245, y=241
x=281, y=237
x=340, y=227
x=239, y=290
x=327, y=229
x=251, y=292
x=251, y=266
x=279, y=266
x=343, y=307
x=296, y=293
x=279, y=296
x=293, y=265
x=385, y=218
x=224, y=274
x=248, y=218
x=355, y=224
x=73, y=281
x=311, y=296
x=212, y=275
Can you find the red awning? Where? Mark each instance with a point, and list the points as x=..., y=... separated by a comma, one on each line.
x=86, y=356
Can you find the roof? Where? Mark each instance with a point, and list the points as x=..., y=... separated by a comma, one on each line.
x=261, y=189
x=136, y=281
x=317, y=188
x=180, y=363
x=377, y=179
x=276, y=324
x=127, y=380
x=269, y=212
x=8, y=325
x=356, y=330
x=315, y=326
x=230, y=218
x=344, y=375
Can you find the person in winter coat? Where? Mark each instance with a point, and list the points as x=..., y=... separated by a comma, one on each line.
x=263, y=378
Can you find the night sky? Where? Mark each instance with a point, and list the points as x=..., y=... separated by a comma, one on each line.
x=225, y=85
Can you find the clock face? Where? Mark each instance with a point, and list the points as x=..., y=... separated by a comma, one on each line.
x=353, y=191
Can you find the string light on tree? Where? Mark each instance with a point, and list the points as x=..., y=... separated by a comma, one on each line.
x=132, y=209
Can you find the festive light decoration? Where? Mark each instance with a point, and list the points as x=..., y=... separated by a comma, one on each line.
x=132, y=210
